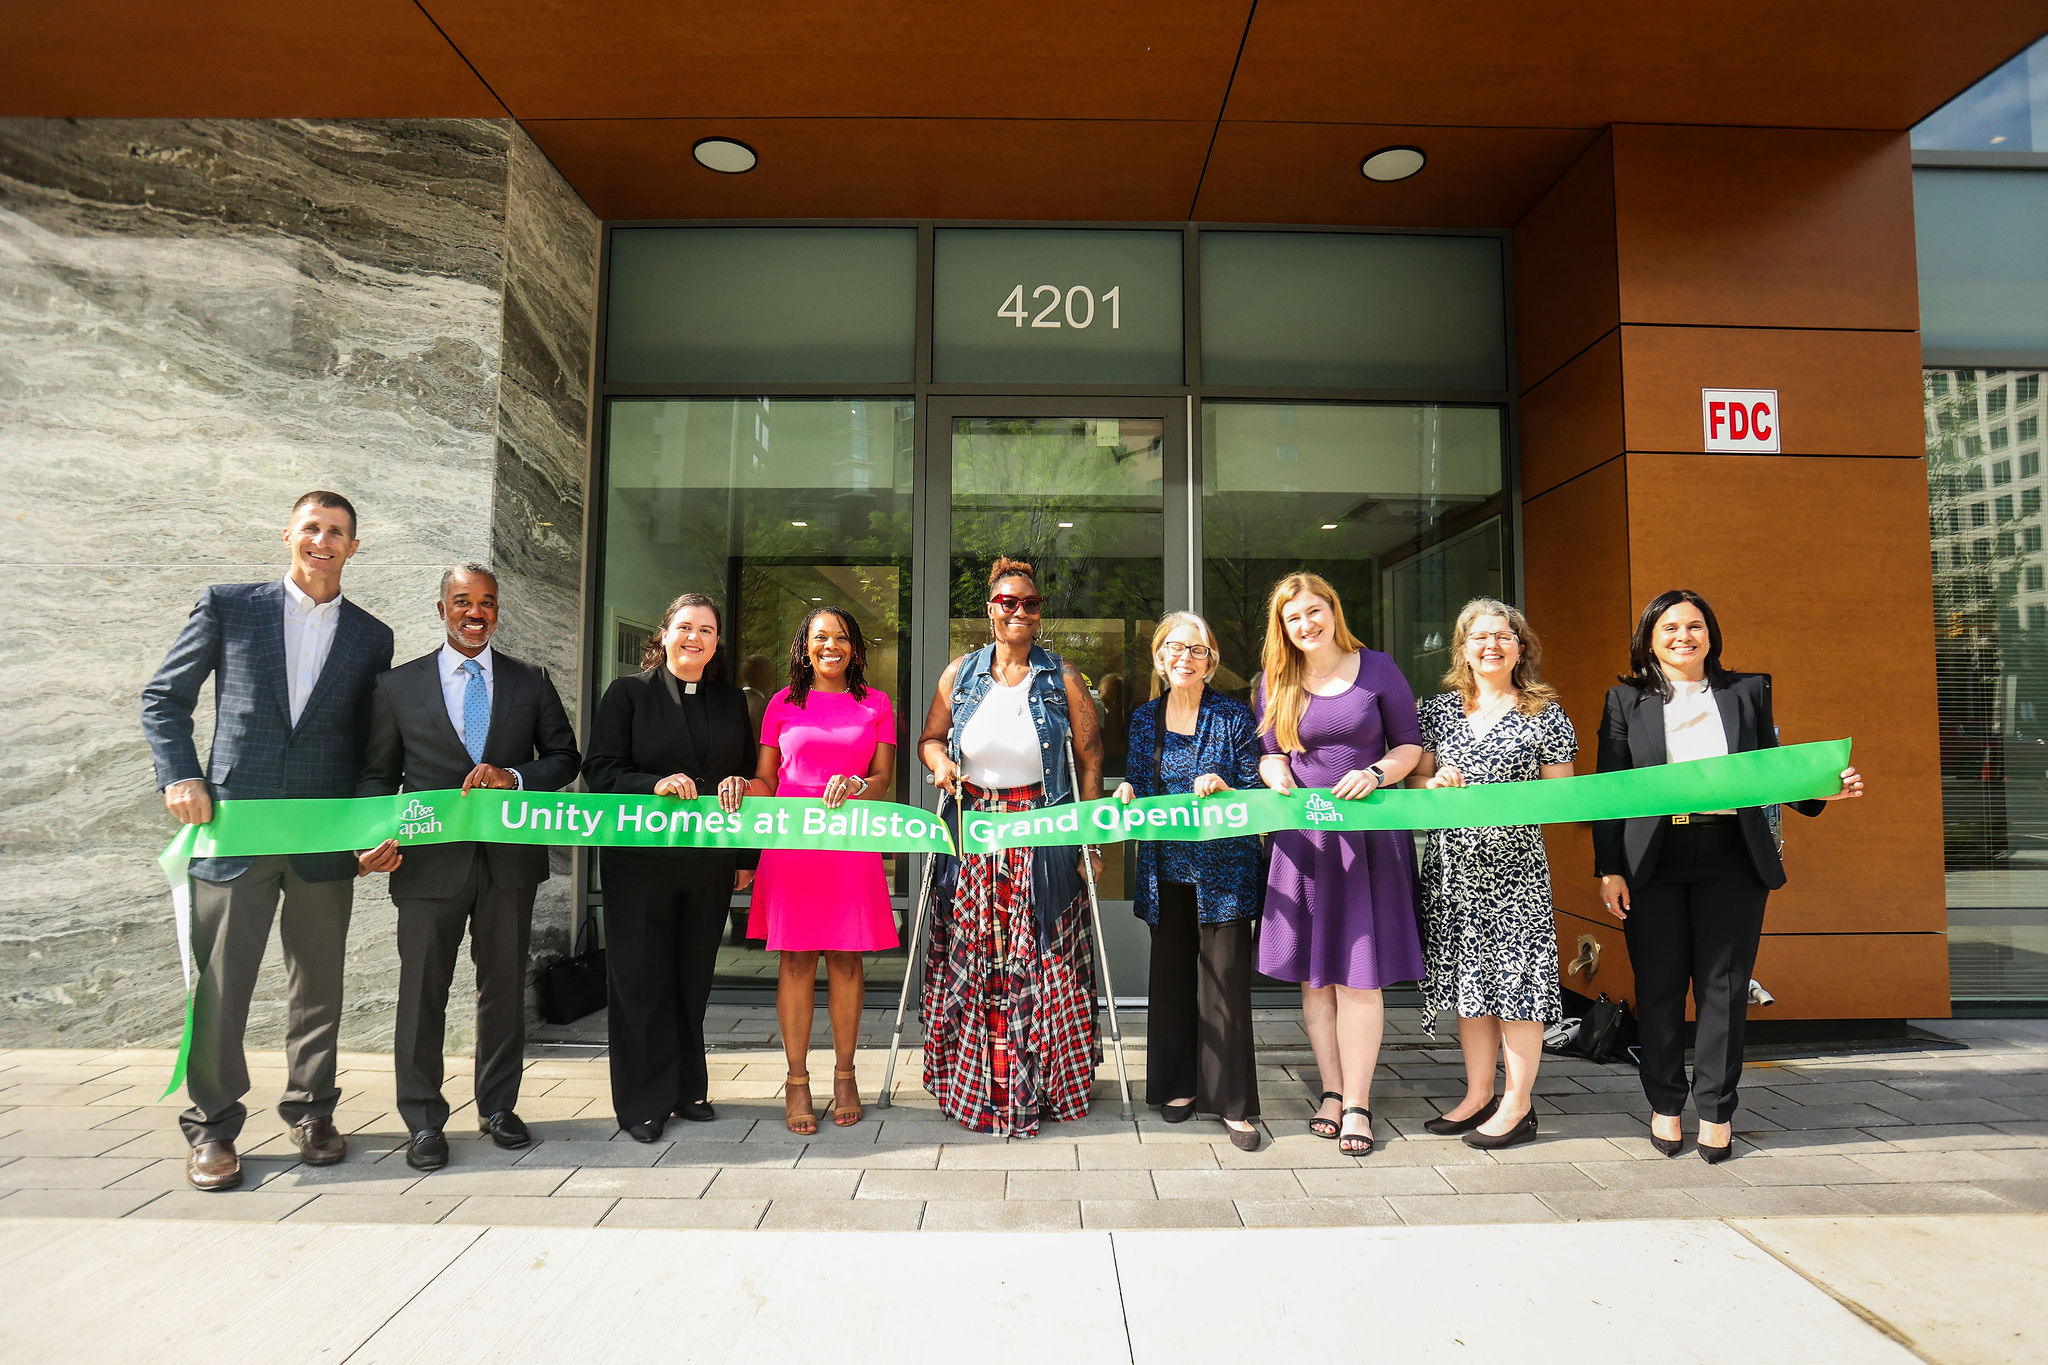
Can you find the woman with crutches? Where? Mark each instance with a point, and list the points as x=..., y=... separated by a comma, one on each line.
x=1009, y=991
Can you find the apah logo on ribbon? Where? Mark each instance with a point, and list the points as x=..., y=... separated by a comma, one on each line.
x=1322, y=811
x=417, y=819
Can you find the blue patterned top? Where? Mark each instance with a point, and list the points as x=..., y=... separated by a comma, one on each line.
x=1228, y=874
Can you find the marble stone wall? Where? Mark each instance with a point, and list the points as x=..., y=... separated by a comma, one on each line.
x=200, y=320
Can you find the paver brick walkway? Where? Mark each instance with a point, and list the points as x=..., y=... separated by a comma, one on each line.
x=1957, y=1123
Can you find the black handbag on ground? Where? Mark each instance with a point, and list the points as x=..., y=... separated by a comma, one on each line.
x=1605, y=1033
x=574, y=986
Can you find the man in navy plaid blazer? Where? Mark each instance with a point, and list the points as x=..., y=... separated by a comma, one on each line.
x=292, y=664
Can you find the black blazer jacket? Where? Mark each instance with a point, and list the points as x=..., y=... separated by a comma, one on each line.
x=414, y=747
x=1632, y=736
x=641, y=734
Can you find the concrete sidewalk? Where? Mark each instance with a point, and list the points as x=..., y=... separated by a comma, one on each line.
x=1877, y=1198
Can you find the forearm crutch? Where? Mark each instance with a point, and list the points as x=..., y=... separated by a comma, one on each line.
x=1116, y=1033
x=914, y=950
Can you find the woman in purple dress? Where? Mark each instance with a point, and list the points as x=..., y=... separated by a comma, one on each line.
x=1340, y=908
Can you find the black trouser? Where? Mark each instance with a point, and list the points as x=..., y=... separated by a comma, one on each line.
x=662, y=920
x=1695, y=922
x=500, y=924
x=230, y=929
x=1198, y=1030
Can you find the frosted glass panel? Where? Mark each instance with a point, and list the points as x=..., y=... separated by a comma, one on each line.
x=1352, y=310
x=1983, y=274
x=762, y=306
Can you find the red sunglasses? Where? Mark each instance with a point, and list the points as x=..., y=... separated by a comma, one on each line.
x=1010, y=605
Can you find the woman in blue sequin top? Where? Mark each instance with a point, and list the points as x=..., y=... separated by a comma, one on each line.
x=1201, y=899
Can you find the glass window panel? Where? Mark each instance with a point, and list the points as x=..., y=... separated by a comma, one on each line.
x=1983, y=275
x=1056, y=306
x=772, y=506
x=762, y=306
x=1991, y=673
x=1352, y=310
x=2007, y=111
x=1398, y=505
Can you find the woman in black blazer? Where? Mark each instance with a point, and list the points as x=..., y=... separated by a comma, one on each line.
x=679, y=728
x=1690, y=889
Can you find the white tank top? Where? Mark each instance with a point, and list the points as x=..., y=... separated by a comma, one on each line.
x=999, y=744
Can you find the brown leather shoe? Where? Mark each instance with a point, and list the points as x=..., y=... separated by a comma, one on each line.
x=213, y=1166
x=318, y=1142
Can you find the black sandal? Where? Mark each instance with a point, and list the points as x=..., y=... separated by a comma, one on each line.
x=1322, y=1127
x=1357, y=1144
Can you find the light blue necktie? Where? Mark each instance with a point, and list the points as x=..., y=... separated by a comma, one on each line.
x=476, y=711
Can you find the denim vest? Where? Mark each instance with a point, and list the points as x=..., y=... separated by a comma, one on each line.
x=1045, y=696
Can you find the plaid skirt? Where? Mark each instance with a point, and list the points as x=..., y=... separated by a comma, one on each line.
x=1009, y=1031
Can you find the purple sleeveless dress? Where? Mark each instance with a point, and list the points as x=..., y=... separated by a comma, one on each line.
x=1341, y=908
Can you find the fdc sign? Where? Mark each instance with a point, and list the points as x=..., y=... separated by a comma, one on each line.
x=1740, y=421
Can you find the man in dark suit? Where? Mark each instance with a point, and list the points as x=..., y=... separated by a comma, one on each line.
x=464, y=716
x=292, y=664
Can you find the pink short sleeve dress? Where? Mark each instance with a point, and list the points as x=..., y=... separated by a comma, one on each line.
x=807, y=901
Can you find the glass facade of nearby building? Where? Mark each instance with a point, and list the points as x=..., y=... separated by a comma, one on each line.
x=1981, y=201
x=866, y=416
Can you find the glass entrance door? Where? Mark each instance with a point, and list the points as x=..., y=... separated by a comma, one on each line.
x=1094, y=494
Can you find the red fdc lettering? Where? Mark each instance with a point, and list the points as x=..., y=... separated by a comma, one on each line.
x=1717, y=415
x=1756, y=421
x=1738, y=422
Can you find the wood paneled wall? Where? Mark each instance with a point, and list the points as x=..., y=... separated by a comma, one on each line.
x=1671, y=259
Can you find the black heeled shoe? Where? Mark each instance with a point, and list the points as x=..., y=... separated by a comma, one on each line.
x=1444, y=1127
x=647, y=1130
x=1668, y=1146
x=1322, y=1127
x=1523, y=1131
x=1356, y=1144
x=1713, y=1156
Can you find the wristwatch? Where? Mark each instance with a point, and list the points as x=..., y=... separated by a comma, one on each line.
x=863, y=784
x=1379, y=778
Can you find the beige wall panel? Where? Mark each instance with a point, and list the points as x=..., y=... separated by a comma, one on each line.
x=1816, y=570
x=1765, y=227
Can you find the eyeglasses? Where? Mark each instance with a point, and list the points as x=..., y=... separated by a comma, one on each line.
x=1201, y=654
x=1503, y=638
x=1010, y=605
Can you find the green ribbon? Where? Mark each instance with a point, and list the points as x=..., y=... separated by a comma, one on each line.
x=252, y=828
x=1764, y=777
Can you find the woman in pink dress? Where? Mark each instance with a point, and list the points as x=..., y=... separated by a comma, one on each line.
x=828, y=734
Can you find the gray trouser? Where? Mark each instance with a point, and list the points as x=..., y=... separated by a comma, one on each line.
x=500, y=922
x=230, y=930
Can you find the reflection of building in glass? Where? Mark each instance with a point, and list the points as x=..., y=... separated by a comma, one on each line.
x=1985, y=491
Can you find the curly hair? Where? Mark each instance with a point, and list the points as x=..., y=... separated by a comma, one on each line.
x=657, y=653
x=800, y=669
x=1527, y=678
x=1006, y=567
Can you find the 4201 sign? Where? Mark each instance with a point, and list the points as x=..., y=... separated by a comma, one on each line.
x=1077, y=304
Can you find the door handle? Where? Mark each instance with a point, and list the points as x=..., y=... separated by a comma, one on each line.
x=1587, y=959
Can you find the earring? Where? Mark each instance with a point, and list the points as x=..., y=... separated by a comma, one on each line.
x=807, y=665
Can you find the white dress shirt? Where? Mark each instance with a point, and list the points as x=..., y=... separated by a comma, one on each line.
x=1692, y=727
x=308, y=637
x=455, y=688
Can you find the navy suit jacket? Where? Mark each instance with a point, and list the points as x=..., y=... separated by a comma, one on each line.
x=414, y=747
x=236, y=635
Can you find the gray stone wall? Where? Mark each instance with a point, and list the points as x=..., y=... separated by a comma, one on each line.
x=198, y=322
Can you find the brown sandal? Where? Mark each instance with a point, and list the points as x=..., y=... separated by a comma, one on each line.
x=845, y=1115
x=803, y=1122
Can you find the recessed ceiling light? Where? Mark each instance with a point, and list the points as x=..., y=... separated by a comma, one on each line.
x=724, y=155
x=1329, y=526
x=2000, y=138
x=1392, y=163
x=1066, y=526
x=799, y=523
